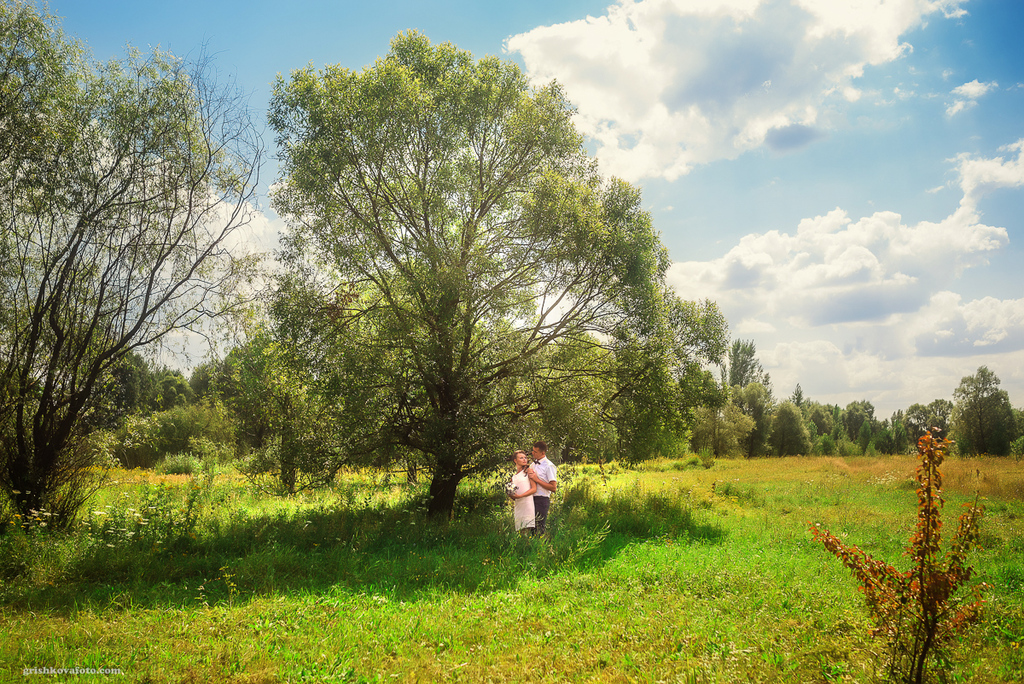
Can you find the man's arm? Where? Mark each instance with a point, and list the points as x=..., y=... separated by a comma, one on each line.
x=551, y=485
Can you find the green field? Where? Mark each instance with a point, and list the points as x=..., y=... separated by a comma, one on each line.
x=670, y=573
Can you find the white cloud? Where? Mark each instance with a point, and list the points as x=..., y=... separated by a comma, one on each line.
x=974, y=89
x=664, y=85
x=834, y=270
x=259, y=234
x=868, y=304
x=967, y=95
x=980, y=176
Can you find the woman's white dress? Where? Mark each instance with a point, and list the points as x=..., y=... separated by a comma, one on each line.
x=523, y=513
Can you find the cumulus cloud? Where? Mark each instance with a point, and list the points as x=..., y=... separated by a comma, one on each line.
x=258, y=233
x=966, y=95
x=952, y=327
x=663, y=85
x=867, y=304
x=979, y=176
x=834, y=270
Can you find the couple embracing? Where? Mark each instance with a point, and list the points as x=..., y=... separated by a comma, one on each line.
x=531, y=488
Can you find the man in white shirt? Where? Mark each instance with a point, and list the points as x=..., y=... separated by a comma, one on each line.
x=544, y=473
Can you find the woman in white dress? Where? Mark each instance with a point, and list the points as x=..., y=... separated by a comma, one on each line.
x=521, y=489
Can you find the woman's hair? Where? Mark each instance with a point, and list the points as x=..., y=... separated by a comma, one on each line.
x=516, y=453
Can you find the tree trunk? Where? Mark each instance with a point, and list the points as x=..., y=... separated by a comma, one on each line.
x=442, y=492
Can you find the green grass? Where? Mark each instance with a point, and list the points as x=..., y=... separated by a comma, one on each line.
x=669, y=573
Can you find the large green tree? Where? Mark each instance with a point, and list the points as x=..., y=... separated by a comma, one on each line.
x=982, y=416
x=122, y=184
x=482, y=264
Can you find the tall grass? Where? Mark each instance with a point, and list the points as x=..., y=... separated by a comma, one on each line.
x=667, y=573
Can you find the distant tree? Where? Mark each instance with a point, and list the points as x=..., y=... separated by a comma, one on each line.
x=128, y=389
x=286, y=414
x=825, y=446
x=722, y=429
x=864, y=436
x=900, y=439
x=855, y=415
x=982, y=417
x=122, y=186
x=882, y=439
x=209, y=379
x=744, y=368
x=171, y=389
x=1017, y=446
x=756, y=402
x=920, y=418
x=821, y=417
x=789, y=435
x=798, y=396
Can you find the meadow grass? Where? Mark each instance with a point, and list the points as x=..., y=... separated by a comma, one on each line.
x=672, y=572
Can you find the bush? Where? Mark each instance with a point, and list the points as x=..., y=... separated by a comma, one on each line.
x=825, y=446
x=707, y=458
x=179, y=464
x=846, y=448
x=915, y=611
x=146, y=440
x=1017, y=448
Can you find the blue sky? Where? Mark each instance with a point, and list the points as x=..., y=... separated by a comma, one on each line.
x=844, y=178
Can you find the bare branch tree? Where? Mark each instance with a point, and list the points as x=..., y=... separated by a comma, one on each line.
x=116, y=234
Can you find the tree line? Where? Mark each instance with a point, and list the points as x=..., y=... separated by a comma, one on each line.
x=742, y=418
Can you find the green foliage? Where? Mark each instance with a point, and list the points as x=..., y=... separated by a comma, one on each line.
x=915, y=610
x=920, y=418
x=722, y=431
x=180, y=464
x=789, y=433
x=820, y=416
x=982, y=418
x=205, y=428
x=824, y=446
x=444, y=308
x=846, y=448
x=864, y=435
x=170, y=389
x=290, y=415
x=744, y=368
x=122, y=183
x=854, y=417
x=707, y=458
x=755, y=400
x=1017, y=448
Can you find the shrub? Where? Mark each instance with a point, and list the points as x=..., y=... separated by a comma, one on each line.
x=914, y=610
x=707, y=458
x=825, y=446
x=145, y=440
x=179, y=464
x=846, y=448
